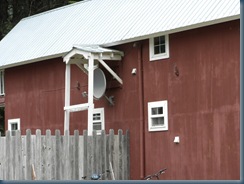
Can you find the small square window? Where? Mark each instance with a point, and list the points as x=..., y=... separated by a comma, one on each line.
x=158, y=116
x=98, y=120
x=159, y=47
x=13, y=125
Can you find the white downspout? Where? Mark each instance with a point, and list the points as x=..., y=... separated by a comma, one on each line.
x=90, y=93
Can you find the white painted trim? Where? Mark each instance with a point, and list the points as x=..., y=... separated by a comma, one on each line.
x=78, y=107
x=90, y=93
x=67, y=96
x=151, y=105
x=13, y=121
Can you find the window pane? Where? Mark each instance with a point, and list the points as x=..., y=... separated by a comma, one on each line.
x=157, y=110
x=162, y=49
x=14, y=126
x=156, y=50
x=158, y=121
x=156, y=40
x=96, y=116
x=162, y=39
x=97, y=126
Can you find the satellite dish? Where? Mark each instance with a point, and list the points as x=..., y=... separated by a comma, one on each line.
x=99, y=83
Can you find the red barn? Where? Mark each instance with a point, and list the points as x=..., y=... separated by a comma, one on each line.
x=168, y=71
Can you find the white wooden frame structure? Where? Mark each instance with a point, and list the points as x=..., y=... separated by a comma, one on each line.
x=81, y=55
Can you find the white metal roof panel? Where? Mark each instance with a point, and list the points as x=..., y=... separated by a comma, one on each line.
x=107, y=22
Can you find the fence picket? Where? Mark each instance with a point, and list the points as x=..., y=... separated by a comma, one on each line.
x=28, y=155
x=120, y=149
x=58, y=157
x=63, y=157
x=7, y=156
x=76, y=155
x=85, y=154
x=38, y=162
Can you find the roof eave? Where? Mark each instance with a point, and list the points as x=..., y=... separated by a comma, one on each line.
x=32, y=61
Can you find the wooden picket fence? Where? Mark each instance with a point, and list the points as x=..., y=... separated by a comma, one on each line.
x=64, y=157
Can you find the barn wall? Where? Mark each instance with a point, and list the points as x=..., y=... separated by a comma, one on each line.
x=203, y=102
x=35, y=94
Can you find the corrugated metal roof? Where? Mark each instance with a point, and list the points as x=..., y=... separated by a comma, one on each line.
x=107, y=22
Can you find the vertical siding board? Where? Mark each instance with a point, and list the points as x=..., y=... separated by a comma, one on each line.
x=81, y=157
x=85, y=153
x=7, y=156
x=23, y=150
x=53, y=158
x=127, y=167
x=71, y=156
x=33, y=155
x=28, y=154
x=2, y=156
x=48, y=155
x=18, y=156
x=89, y=156
x=102, y=160
x=62, y=158
x=43, y=158
x=107, y=154
x=120, y=154
x=12, y=156
x=76, y=155
x=38, y=151
x=93, y=151
x=122, y=157
x=66, y=150
x=111, y=148
x=58, y=155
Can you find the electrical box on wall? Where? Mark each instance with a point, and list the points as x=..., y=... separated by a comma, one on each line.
x=177, y=140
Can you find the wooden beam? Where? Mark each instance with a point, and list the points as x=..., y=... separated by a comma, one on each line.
x=90, y=94
x=67, y=96
x=75, y=108
x=111, y=71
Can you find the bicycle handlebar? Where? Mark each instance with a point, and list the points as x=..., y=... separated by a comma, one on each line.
x=156, y=174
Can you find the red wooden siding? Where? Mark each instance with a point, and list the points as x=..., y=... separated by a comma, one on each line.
x=203, y=102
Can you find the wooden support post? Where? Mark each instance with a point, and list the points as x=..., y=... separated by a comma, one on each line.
x=67, y=96
x=90, y=93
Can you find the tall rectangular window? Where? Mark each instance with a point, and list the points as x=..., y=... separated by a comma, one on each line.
x=159, y=47
x=158, y=116
x=98, y=120
x=2, y=82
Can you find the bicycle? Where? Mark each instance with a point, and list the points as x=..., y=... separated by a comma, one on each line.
x=156, y=175
x=99, y=176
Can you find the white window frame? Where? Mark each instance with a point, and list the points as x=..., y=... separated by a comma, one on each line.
x=164, y=55
x=13, y=121
x=102, y=118
x=2, y=91
x=164, y=105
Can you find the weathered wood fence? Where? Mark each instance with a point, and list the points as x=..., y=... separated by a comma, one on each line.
x=63, y=157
